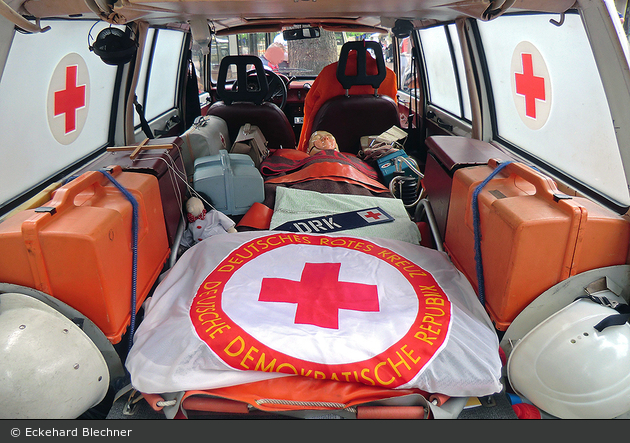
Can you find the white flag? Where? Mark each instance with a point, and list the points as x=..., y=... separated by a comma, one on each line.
x=249, y=306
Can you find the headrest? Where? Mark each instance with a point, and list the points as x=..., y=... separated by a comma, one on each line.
x=362, y=78
x=241, y=91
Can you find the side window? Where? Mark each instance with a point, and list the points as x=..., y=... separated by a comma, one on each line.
x=200, y=63
x=459, y=66
x=159, y=75
x=409, y=80
x=407, y=77
x=386, y=43
x=59, y=94
x=549, y=100
x=443, y=62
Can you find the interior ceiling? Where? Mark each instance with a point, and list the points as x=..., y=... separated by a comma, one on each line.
x=228, y=15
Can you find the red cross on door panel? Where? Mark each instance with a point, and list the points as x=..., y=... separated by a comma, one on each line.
x=68, y=98
x=319, y=295
x=531, y=85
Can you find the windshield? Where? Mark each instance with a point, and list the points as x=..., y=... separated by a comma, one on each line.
x=294, y=58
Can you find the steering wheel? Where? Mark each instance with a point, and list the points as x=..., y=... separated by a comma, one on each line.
x=277, y=86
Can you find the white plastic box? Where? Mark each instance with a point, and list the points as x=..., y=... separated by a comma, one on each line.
x=230, y=181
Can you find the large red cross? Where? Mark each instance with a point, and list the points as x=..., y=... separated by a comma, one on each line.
x=319, y=295
x=68, y=100
x=529, y=85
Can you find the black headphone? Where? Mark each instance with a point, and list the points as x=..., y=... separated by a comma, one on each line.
x=402, y=28
x=114, y=46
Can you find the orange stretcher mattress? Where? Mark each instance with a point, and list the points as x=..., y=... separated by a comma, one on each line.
x=78, y=246
x=295, y=394
x=532, y=236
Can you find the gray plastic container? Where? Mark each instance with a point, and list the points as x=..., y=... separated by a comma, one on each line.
x=230, y=181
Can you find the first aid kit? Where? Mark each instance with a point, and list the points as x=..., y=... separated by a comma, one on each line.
x=530, y=236
x=78, y=247
x=396, y=163
x=446, y=154
x=161, y=157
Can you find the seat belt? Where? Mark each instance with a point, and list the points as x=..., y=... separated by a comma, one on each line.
x=143, y=121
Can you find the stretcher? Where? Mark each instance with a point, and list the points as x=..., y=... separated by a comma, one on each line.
x=391, y=338
x=301, y=398
x=232, y=314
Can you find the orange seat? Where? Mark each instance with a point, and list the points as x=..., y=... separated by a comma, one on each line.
x=353, y=97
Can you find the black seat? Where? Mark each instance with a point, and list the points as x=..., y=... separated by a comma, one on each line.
x=244, y=102
x=349, y=117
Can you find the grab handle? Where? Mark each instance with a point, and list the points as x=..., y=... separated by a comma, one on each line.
x=65, y=196
x=545, y=186
x=61, y=201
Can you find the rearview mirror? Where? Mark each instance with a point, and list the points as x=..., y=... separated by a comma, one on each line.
x=300, y=33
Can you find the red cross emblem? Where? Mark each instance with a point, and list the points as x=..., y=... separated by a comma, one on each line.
x=68, y=100
x=319, y=295
x=395, y=329
x=529, y=85
x=373, y=215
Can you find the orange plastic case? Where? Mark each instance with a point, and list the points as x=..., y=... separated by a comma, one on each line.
x=78, y=246
x=532, y=236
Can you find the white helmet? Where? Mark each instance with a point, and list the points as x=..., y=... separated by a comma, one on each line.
x=568, y=368
x=49, y=368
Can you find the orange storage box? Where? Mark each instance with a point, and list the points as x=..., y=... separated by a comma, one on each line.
x=78, y=247
x=532, y=235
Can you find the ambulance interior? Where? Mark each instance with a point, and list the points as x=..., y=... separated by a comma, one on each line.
x=472, y=221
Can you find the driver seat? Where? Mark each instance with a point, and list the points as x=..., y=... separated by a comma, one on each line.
x=245, y=104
